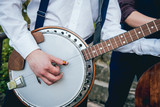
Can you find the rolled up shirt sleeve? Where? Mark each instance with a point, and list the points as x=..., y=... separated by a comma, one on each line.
x=112, y=28
x=127, y=7
x=15, y=27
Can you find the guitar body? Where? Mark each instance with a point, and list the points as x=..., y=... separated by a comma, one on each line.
x=78, y=76
x=148, y=88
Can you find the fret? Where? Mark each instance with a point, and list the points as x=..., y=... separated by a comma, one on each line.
x=88, y=54
x=139, y=32
x=105, y=46
x=98, y=49
x=103, y=51
x=114, y=42
x=132, y=33
x=111, y=44
x=129, y=37
x=155, y=25
x=136, y=33
x=152, y=27
x=108, y=45
x=95, y=50
x=157, y=22
x=142, y=31
x=85, y=54
x=92, y=52
x=125, y=38
x=145, y=30
x=148, y=29
x=120, y=39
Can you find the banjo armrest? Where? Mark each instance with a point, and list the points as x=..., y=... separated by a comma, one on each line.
x=16, y=61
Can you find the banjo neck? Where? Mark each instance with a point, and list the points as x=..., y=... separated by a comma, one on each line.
x=122, y=39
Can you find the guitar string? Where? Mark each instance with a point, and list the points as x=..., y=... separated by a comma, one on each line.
x=119, y=41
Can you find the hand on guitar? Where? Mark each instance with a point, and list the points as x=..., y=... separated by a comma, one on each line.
x=41, y=64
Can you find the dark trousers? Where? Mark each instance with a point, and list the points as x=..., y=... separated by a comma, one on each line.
x=123, y=68
x=12, y=101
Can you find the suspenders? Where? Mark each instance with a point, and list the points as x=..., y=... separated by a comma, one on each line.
x=41, y=13
x=103, y=5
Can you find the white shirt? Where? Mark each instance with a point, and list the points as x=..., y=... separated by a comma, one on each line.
x=112, y=28
x=76, y=15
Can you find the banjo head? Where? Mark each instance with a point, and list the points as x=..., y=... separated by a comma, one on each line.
x=78, y=75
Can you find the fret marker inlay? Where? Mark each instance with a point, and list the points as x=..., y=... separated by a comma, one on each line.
x=148, y=29
x=155, y=25
x=139, y=32
x=152, y=27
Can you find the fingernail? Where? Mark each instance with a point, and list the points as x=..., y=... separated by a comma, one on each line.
x=65, y=63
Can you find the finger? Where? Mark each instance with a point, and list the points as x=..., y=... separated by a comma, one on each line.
x=54, y=70
x=45, y=80
x=53, y=78
x=58, y=77
x=58, y=61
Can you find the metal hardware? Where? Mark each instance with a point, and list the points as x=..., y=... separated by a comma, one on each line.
x=16, y=83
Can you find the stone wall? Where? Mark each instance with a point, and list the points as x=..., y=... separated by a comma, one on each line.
x=99, y=92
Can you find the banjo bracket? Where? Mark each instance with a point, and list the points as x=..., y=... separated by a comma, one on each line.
x=16, y=83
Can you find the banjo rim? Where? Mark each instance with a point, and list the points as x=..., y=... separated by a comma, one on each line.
x=93, y=63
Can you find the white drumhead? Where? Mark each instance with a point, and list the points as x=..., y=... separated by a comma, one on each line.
x=62, y=92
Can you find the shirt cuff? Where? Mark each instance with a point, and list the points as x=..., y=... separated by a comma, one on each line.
x=25, y=45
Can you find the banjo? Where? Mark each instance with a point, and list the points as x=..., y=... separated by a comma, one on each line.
x=79, y=74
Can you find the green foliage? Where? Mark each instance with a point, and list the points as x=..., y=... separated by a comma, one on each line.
x=6, y=51
x=1, y=29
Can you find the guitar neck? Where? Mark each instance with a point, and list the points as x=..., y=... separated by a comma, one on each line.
x=122, y=39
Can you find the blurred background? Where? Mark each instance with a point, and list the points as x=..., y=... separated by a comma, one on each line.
x=99, y=92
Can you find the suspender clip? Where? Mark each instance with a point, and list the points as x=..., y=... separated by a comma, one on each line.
x=41, y=13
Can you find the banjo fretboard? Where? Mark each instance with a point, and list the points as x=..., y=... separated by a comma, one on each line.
x=122, y=39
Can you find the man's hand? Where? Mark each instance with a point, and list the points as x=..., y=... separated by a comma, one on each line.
x=40, y=64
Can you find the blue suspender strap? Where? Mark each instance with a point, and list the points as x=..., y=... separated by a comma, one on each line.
x=103, y=6
x=41, y=13
x=97, y=33
x=104, y=10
